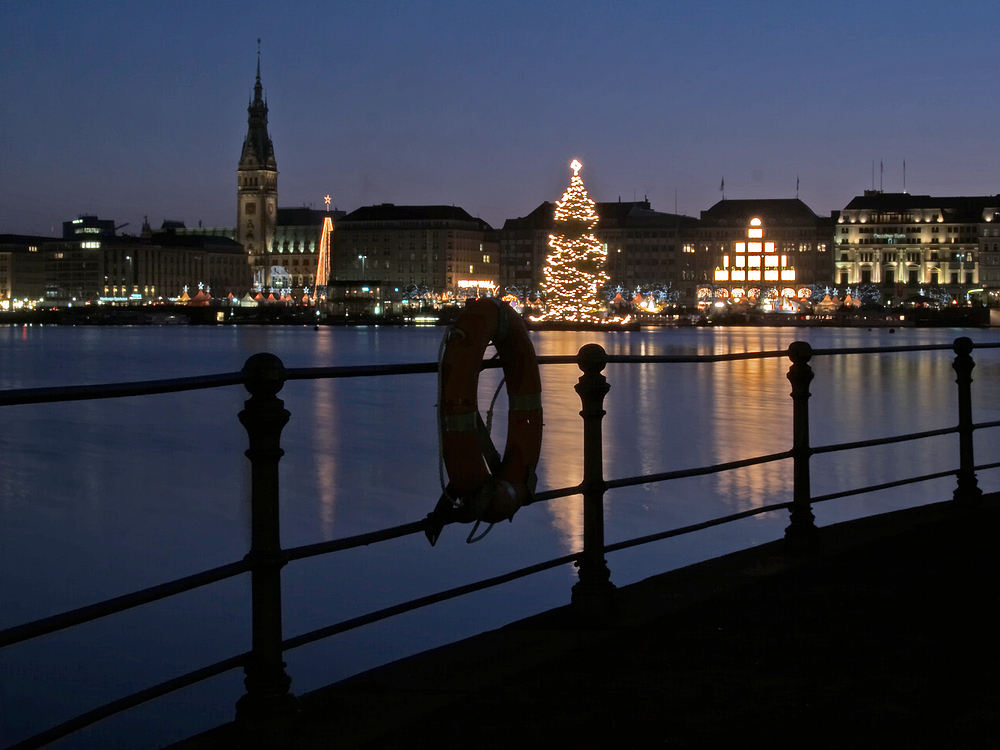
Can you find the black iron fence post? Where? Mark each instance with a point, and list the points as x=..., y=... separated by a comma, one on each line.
x=801, y=531
x=967, y=492
x=593, y=594
x=267, y=710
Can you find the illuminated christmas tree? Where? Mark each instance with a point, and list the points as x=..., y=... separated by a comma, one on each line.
x=574, y=269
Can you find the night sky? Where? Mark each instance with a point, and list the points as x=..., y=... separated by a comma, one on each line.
x=134, y=108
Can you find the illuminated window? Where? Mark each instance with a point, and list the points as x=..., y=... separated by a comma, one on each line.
x=741, y=261
x=722, y=275
x=768, y=247
x=788, y=274
x=755, y=222
x=771, y=261
x=741, y=247
x=755, y=247
x=739, y=275
x=725, y=261
x=753, y=261
x=755, y=234
x=770, y=275
x=753, y=275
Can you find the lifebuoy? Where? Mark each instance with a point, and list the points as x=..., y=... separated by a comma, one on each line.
x=477, y=492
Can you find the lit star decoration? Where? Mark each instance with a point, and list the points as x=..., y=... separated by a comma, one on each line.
x=574, y=269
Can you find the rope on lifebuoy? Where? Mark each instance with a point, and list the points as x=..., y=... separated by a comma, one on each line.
x=483, y=486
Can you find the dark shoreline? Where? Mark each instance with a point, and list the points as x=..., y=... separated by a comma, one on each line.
x=953, y=317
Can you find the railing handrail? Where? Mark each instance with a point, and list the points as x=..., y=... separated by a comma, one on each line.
x=118, y=604
x=54, y=394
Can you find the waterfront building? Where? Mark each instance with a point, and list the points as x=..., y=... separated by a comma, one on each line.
x=128, y=269
x=299, y=234
x=440, y=251
x=641, y=245
x=902, y=242
x=761, y=248
x=22, y=270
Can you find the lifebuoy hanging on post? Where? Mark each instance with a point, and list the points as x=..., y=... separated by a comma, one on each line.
x=482, y=485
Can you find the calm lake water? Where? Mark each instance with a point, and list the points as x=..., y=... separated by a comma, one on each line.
x=102, y=498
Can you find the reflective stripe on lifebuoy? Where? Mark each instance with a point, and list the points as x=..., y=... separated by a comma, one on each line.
x=488, y=495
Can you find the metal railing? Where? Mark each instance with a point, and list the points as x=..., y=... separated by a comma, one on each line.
x=267, y=709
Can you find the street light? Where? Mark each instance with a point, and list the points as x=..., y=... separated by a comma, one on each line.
x=362, y=258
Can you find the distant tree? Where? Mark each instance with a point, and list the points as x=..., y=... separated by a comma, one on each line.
x=869, y=294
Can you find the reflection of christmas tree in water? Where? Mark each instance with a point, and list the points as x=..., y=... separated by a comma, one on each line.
x=574, y=269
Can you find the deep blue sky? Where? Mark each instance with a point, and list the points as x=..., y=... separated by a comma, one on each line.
x=132, y=108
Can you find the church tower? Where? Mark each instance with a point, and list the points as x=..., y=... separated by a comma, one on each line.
x=257, y=201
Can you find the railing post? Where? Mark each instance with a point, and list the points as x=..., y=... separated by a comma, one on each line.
x=593, y=594
x=266, y=712
x=967, y=493
x=801, y=531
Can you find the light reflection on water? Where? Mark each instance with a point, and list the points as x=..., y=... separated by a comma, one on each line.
x=100, y=498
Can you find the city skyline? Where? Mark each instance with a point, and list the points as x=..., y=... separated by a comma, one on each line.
x=124, y=111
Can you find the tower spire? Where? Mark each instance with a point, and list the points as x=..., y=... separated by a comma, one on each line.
x=258, y=88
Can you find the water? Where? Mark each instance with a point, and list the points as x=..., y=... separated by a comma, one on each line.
x=102, y=498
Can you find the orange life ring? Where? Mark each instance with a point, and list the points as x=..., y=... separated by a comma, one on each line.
x=482, y=494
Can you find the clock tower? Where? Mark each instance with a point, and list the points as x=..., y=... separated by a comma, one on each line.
x=257, y=192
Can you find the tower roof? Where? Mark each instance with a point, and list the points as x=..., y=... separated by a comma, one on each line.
x=258, y=151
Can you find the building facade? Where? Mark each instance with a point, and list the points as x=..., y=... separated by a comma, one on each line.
x=441, y=250
x=903, y=242
x=137, y=270
x=765, y=248
x=22, y=270
x=642, y=247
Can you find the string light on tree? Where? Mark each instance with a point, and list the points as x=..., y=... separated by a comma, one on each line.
x=574, y=269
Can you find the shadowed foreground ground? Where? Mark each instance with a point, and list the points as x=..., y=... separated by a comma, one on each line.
x=886, y=638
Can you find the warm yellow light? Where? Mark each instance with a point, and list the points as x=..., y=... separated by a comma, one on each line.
x=755, y=222
x=741, y=261
x=725, y=261
x=770, y=275
x=768, y=247
x=784, y=261
x=788, y=274
x=753, y=261
x=755, y=234
x=755, y=247
x=753, y=275
x=771, y=261
x=739, y=275
x=741, y=247
x=575, y=266
x=722, y=275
